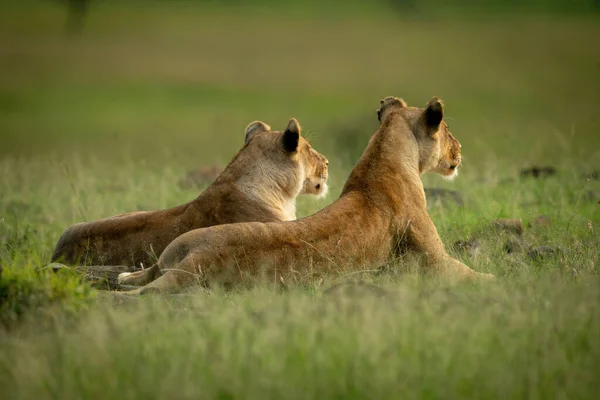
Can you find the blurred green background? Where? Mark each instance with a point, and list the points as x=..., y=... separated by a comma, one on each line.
x=106, y=114
x=106, y=105
x=179, y=80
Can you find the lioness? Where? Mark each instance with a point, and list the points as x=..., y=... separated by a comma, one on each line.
x=261, y=183
x=380, y=213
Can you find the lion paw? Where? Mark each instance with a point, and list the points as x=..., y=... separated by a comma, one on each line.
x=122, y=278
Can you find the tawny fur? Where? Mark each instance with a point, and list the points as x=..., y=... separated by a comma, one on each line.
x=380, y=214
x=259, y=184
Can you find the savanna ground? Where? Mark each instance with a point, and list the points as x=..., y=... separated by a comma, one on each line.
x=110, y=120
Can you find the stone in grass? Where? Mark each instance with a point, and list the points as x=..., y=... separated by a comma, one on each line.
x=541, y=252
x=470, y=246
x=538, y=172
x=540, y=222
x=56, y=266
x=514, y=245
x=444, y=197
x=510, y=225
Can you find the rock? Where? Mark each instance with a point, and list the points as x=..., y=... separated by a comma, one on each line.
x=200, y=177
x=541, y=221
x=56, y=266
x=537, y=253
x=444, y=197
x=537, y=172
x=510, y=225
x=470, y=246
x=513, y=245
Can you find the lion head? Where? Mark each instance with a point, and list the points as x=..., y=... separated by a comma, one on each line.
x=289, y=158
x=439, y=151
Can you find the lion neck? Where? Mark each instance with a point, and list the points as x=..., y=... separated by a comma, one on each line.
x=266, y=185
x=389, y=163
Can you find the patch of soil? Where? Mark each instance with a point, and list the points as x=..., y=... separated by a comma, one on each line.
x=538, y=172
x=540, y=252
x=514, y=245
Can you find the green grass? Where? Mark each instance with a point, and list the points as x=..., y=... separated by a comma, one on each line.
x=111, y=120
x=518, y=339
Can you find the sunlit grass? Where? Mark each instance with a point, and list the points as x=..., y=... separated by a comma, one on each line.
x=110, y=121
x=517, y=339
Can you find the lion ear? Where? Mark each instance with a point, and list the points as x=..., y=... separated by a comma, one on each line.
x=291, y=136
x=387, y=104
x=255, y=127
x=434, y=113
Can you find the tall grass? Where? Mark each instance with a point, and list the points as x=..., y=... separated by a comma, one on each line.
x=111, y=120
x=413, y=339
